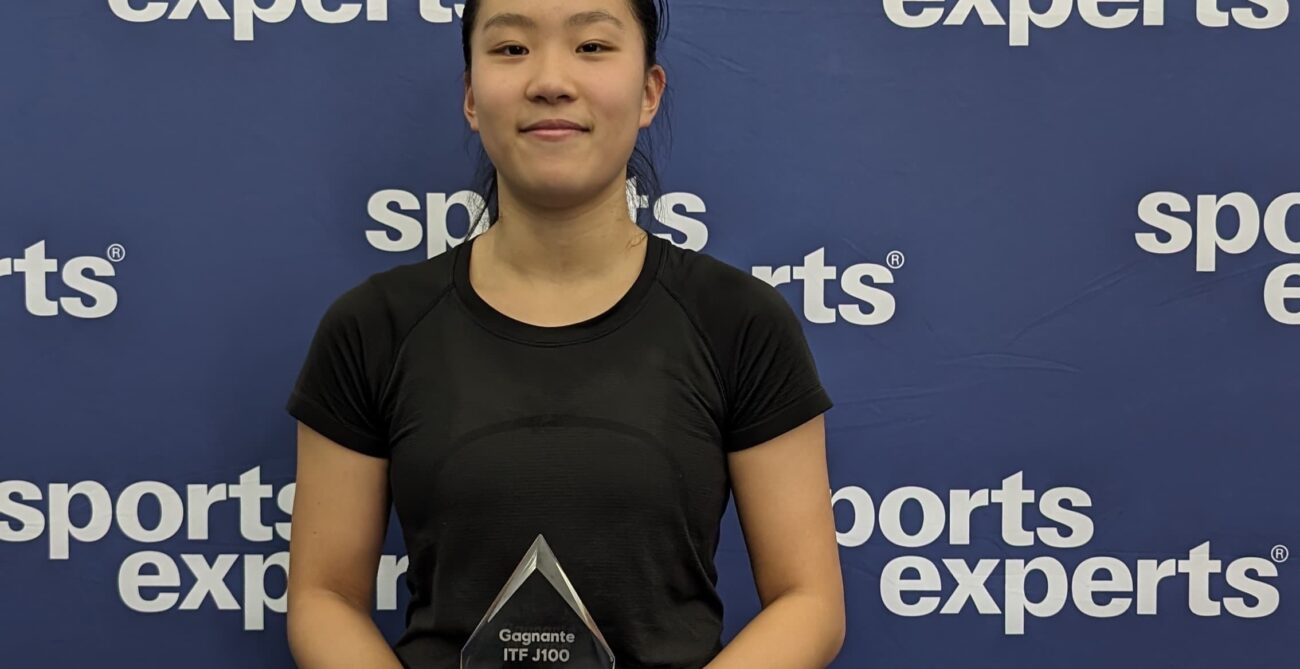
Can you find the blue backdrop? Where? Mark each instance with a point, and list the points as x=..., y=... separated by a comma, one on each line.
x=1042, y=250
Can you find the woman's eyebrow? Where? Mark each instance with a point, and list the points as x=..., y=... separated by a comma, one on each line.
x=511, y=19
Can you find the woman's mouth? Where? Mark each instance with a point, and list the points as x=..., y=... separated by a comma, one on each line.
x=554, y=134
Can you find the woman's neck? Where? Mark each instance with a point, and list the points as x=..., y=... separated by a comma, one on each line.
x=590, y=242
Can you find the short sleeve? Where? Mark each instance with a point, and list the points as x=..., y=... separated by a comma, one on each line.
x=340, y=384
x=772, y=377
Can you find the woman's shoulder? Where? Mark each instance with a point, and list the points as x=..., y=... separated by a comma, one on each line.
x=716, y=290
x=393, y=299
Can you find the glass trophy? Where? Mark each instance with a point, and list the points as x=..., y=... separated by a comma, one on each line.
x=537, y=621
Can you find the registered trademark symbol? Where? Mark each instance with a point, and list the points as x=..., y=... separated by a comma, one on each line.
x=116, y=252
x=1279, y=553
x=895, y=259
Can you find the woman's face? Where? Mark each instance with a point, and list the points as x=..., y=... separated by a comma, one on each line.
x=577, y=60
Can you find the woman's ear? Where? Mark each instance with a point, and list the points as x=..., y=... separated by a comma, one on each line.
x=655, y=82
x=469, y=105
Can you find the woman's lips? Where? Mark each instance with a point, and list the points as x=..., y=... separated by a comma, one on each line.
x=554, y=134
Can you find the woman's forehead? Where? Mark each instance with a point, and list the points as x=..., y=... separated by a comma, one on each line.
x=526, y=15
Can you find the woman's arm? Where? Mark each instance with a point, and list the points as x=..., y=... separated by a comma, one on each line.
x=340, y=517
x=783, y=501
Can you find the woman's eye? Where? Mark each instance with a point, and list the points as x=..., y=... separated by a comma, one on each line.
x=599, y=48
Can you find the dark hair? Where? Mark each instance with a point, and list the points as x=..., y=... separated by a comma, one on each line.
x=639, y=167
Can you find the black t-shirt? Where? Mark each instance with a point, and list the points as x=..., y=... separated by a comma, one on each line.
x=609, y=437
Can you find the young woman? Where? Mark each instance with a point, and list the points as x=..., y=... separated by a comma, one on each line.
x=563, y=373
